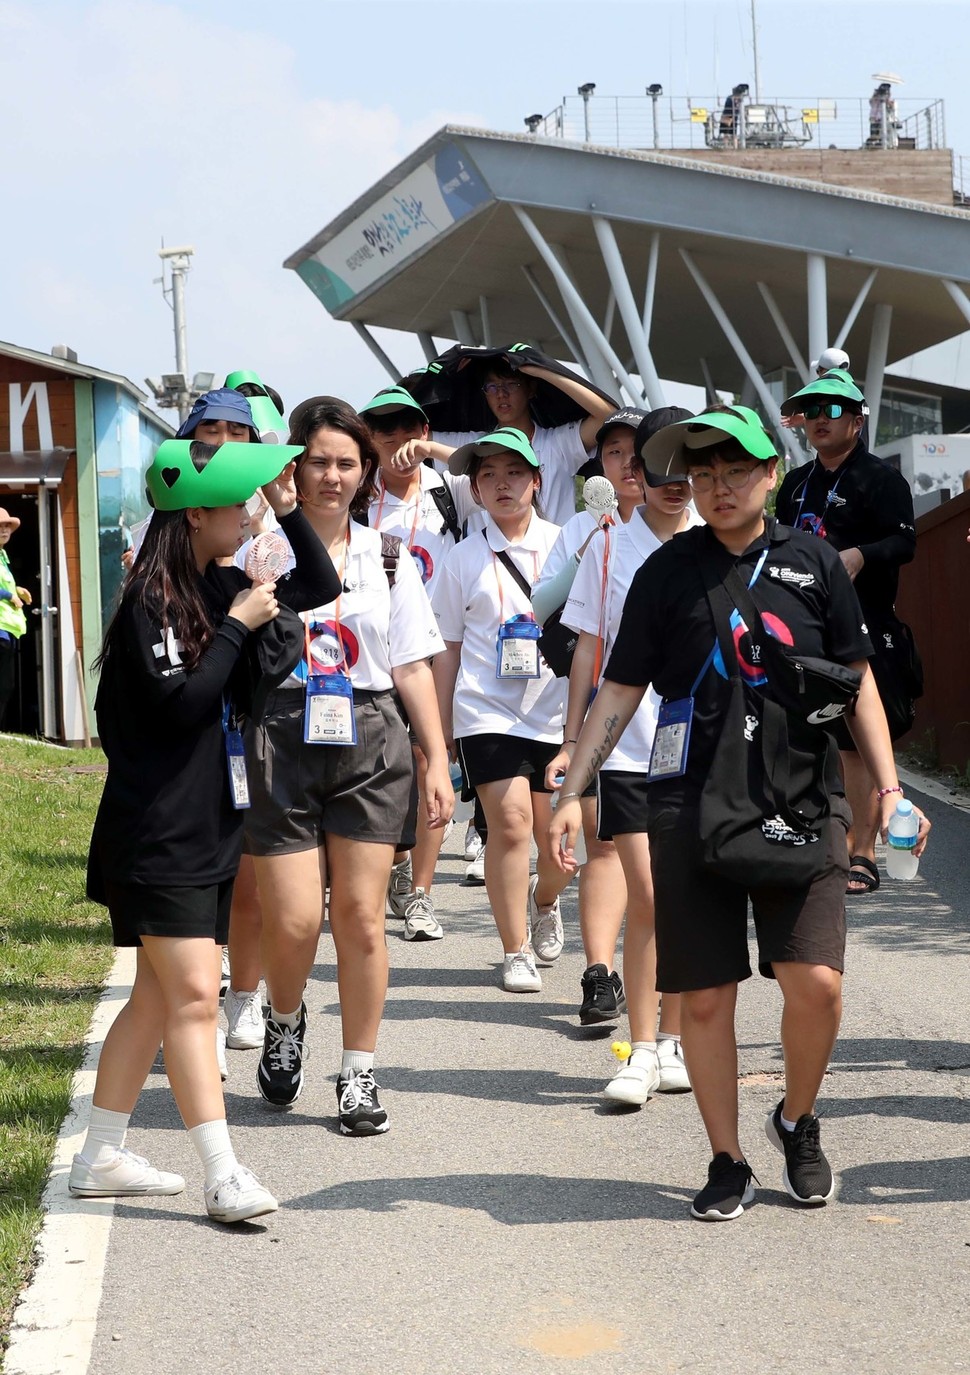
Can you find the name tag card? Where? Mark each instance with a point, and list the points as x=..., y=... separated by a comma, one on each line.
x=517, y=650
x=328, y=718
x=236, y=759
x=668, y=758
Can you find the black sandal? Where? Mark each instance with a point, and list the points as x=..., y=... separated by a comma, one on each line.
x=867, y=874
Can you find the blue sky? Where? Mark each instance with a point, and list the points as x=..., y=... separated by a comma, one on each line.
x=243, y=129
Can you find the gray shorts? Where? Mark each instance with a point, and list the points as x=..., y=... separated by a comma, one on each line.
x=301, y=792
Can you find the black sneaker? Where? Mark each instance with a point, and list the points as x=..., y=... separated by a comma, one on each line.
x=728, y=1190
x=279, y=1077
x=358, y=1105
x=603, y=996
x=807, y=1174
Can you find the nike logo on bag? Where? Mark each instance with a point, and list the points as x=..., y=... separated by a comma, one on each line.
x=830, y=713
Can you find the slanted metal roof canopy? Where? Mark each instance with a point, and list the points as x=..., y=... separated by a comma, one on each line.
x=812, y=248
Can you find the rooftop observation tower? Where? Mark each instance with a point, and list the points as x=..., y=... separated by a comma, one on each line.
x=722, y=241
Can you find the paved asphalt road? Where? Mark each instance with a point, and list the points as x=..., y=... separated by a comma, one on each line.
x=510, y=1220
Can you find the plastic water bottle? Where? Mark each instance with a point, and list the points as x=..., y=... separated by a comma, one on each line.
x=463, y=810
x=903, y=830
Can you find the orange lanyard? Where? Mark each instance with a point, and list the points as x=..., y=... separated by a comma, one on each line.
x=305, y=617
x=417, y=510
x=498, y=582
x=601, y=630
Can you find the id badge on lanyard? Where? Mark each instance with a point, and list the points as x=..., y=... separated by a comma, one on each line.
x=235, y=759
x=671, y=743
x=328, y=718
x=517, y=650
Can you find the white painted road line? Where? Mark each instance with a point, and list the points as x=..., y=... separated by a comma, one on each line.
x=53, y=1326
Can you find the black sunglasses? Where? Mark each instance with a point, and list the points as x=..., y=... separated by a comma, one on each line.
x=832, y=409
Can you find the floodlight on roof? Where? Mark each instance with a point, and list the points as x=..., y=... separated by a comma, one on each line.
x=532, y=122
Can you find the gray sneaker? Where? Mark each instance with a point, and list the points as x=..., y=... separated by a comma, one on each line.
x=399, y=889
x=420, y=922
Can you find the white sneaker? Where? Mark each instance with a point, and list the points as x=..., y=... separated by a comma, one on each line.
x=226, y=973
x=545, y=923
x=244, y=1013
x=420, y=922
x=125, y=1175
x=635, y=1081
x=519, y=973
x=475, y=872
x=221, y=1054
x=237, y=1197
x=474, y=845
x=673, y=1071
x=399, y=891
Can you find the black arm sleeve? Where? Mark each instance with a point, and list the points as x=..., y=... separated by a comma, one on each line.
x=166, y=689
x=891, y=509
x=314, y=580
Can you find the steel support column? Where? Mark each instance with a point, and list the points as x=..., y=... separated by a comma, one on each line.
x=959, y=297
x=856, y=306
x=711, y=397
x=818, y=311
x=427, y=345
x=650, y=290
x=627, y=306
x=787, y=338
x=599, y=368
x=462, y=326
x=377, y=351
x=786, y=437
x=876, y=369
x=557, y=324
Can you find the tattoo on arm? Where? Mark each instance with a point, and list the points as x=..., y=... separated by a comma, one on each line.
x=602, y=751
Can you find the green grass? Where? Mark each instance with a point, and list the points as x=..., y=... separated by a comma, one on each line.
x=55, y=952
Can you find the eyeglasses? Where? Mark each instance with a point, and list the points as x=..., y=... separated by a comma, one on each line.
x=832, y=409
x=735, y=477
x=502, y=388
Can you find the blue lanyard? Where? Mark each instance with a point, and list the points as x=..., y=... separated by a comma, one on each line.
x=829, y=497
x=710, y=658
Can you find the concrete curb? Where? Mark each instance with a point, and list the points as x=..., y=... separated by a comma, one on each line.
x=53, y=1326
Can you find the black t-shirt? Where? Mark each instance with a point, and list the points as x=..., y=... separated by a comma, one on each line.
x=667, y=630
x=166, y=817
x=863, y=504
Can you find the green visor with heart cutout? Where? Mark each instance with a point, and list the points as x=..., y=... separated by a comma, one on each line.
x=232, y=473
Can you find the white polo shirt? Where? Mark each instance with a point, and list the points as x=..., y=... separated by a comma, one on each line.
x=474, y=596
x=561, y=454
x=630, y=545
x=380, y=627
x=420, y=524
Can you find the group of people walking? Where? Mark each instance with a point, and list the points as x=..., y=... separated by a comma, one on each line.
x=283, y=703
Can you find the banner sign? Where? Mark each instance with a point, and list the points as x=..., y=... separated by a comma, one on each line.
x=417, y=211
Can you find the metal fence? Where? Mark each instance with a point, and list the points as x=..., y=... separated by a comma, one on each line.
x=731, y=121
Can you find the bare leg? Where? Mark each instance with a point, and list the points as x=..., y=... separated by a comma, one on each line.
x=551, y=878
x=508, y=812
x=358, y=881
x=809, y=1026
x=292, y=890
x=187, y=970
x=602, y=893
x=132, y=1043
x=711, y=1052
x=424, y=856
x=639, y=942
x=245, y=929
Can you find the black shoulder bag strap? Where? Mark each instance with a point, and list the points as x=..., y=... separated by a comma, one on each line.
x=447, y=510
x=774, y=723
x=503, y=558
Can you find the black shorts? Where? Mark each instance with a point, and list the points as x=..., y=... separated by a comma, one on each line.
x=702, y=920
x=301, y=792
x=137, y=910
x=622, y=809
x=492, y=758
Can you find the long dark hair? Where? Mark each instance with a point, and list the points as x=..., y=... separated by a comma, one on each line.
x=327, y=416
x=164, y=581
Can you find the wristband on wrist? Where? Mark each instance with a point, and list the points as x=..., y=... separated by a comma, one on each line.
x=562, y=797
x=884, y=792
x=569, y=742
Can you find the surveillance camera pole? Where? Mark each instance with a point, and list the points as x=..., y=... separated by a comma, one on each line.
x=180, y=265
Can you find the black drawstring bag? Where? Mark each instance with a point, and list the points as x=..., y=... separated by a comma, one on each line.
x=765, y=807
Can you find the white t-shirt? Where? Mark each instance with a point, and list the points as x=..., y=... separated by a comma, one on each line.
x=630, y=545
x=381, y=627
x=420, y=524
x=475, y=595
x=561, y=454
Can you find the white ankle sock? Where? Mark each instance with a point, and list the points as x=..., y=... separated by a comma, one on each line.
x=354, y=1061
x=667, y=1036
x=105, y=1136
x=643, y=1045
x=211, y=1141
x=788, y=1126
x=290, y=1019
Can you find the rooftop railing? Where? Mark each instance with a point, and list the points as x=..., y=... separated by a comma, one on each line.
x=670, y=123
